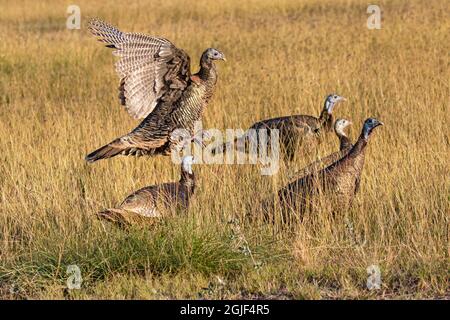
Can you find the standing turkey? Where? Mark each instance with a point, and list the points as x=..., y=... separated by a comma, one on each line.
x=337, y=183
x=295, y=130
x=150, y=203
x=155, y=84
x=344, y=147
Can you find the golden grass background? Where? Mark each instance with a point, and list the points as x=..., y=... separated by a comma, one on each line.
x=59, y=101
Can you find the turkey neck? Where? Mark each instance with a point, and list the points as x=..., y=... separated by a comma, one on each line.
x=356, y=155
x=187, y=182
x=207, y=72
x=326, y=120
x=344, y=142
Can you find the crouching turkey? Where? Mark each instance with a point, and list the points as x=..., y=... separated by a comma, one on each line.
x=150, y=203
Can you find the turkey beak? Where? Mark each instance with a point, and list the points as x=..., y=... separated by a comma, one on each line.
x=223, y=57
x=379, y=123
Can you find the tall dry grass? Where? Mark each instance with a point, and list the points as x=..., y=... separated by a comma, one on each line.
x=58, y=101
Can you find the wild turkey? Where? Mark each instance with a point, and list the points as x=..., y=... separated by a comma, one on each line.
x=155, y=84
x=295, y=130
x=155, y=201
x=338, y=183
x=344, y=147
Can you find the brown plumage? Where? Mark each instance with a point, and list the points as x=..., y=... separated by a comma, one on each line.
x=155, y=84
x=344, y=147
x=338, y=183
x=153, y=202
x=296, y=130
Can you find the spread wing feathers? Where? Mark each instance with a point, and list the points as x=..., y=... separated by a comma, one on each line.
x=149, y=67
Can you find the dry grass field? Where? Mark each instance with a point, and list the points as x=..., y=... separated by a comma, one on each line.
x=58, y=101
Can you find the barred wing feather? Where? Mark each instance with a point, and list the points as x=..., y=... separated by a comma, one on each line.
x=149, y=67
